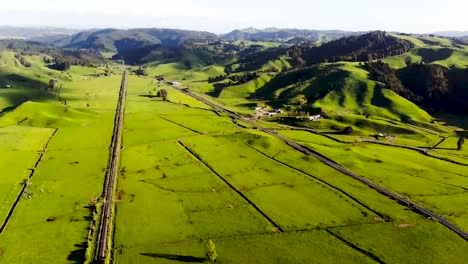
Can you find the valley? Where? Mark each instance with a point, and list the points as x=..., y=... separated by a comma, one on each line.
x=156, y=157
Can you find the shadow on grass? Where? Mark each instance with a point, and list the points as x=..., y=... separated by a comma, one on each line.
x=180, y=258
x=446, y=148
x=149, y=96
x=79, y=254
x=23, y=89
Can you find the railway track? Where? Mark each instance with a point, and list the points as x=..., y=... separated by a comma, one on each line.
x=331, y=163
x=105, y=228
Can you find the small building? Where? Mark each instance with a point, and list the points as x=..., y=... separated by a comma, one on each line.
x=175, y=83
x=379, y=135
x=314, y=117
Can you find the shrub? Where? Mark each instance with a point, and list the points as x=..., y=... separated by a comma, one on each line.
x=460, y=143
x=348, y=130
x=211, y=251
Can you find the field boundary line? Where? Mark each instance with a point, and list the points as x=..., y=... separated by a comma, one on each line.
x=355, y=247
x=31, y=174
x=384, y=217
x=276, y=225
x=266, y=233
x=186, y=127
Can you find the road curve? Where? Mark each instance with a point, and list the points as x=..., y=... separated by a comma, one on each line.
x=415, y=207
x=105, y=231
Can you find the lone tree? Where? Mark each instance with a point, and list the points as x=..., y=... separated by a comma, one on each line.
x=141, y=71
x=52, y=83
x=460, y=143
x=108, y=70
x=211, y=251
x=162, y=93
x=348, y=130
x=61, y=63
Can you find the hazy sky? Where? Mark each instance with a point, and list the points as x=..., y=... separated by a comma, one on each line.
x=219, y=16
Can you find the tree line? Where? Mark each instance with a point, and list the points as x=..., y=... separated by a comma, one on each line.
x=431, y=86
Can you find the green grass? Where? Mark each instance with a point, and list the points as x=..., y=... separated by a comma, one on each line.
x=196, y=78
x=395, y=244
x=315, y=246
x=442, y=52
x=426, y=179
x=20, y=148
x=71, y=172
x=162, y=175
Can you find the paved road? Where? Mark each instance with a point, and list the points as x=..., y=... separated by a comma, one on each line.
x=423, y=151
x=105, y=231
x=418, y=208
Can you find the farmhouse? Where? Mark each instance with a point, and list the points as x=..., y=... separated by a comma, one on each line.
x=175, y=83
x=314, y=117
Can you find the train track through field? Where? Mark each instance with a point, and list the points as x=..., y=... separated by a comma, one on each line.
x=105, y=228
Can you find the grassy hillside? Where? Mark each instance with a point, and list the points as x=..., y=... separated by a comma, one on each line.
x=359, y=95
x=431, y=50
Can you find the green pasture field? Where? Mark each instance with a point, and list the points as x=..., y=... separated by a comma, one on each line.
x=173, y=194
x=424, y=242
x=189, y=174
x=431, y=182
x=20, y=148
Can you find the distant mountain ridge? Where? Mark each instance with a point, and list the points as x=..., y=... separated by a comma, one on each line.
x=35, y=33
x=114, y=40
x=451, y=34
x=277, y=34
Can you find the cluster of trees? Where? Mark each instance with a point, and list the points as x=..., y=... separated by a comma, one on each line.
x=22, y=60
x=243, y=78
x=232, y=80
x=61, y=63
x=257, y=60
x=433, y=87
x=367, y=47
x=216, y=78
x=382, y=72
x=141, y=71
x=163, y=94
x=428, y=82
x=298, y=114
